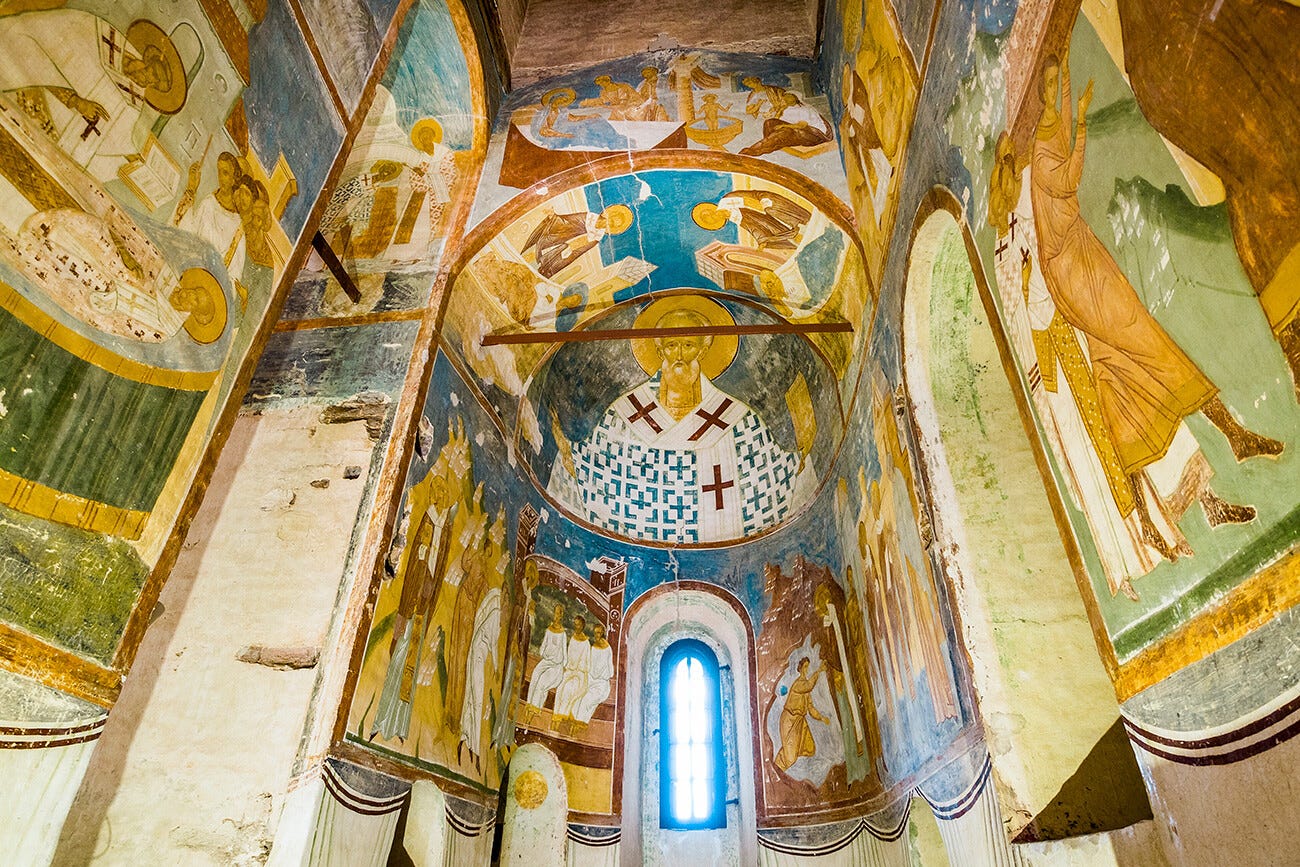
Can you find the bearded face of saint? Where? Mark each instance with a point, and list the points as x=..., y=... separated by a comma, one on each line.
x=679, y=356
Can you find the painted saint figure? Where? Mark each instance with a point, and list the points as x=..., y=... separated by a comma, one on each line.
x=599, y=674
x=790, y=123
x=796, y=736
x=577, y=666
x=561, y=239
x=420, y=588
x=1146, y=384
x=87, y=84
x=679, y=439
x=550, y=667
x=559, y=128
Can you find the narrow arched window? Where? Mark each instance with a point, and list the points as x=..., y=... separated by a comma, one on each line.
x=692, y=771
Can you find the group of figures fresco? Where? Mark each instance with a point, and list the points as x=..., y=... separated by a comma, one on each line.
x=699, y=100
x=1116, y=229
x=666, y=423
x=445, y=620
x=147, y=211
x=609, y=453
x=879, y=84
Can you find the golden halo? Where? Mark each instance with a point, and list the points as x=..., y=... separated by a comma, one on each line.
x=199, y=294
x=145, y=34
x=709, y=216
x=423, y=129
x=617, y=219
x=716, y=358
x=551, y=96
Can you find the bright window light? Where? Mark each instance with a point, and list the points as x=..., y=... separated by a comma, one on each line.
x=692, y=772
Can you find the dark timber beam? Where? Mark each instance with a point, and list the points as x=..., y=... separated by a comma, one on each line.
x=687, y=331
x=327, y=254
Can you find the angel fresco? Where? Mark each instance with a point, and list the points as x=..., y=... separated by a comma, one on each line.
x=1118, y=419
x=879, y=90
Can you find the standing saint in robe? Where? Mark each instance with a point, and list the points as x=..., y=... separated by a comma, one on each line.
x=473, y=568
x=1146, y=384
x=482, y=664
x=420, y=586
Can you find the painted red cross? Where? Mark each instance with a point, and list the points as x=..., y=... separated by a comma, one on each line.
x=111, y=41
x=711, y=419
x=92, y=125
x=131, y=93
x=643, y=413
x=717, y=487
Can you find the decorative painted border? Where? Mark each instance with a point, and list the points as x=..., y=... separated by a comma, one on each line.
x=50, y=737
x=1263, y=730
x=962, y=804
x=357, y=801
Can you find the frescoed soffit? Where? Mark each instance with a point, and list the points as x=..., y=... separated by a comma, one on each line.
x=669, y=348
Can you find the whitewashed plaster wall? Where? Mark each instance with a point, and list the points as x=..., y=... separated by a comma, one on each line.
x=196, y=757
x=1023, y=622
x=46, y=740
x=1244, y=813
x=652, y=627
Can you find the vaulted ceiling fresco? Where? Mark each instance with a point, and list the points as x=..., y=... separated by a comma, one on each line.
x=554, y=309
x=658, y=361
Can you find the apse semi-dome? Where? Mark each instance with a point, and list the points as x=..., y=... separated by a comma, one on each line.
x=668, y=345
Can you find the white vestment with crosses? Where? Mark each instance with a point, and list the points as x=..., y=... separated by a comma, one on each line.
x=714, y=475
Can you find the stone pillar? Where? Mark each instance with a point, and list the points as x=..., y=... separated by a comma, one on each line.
x=346, y=817
x=46, y=739
x=971, y=825
x=425, y=839
x=537, y=809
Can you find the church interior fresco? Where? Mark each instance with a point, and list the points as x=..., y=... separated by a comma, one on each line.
x=156, y=175
x=1180, y=494
x=154, y=188
x=823, y=551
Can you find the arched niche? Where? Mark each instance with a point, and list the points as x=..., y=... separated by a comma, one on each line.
x=1043, y=688
x=655, y=622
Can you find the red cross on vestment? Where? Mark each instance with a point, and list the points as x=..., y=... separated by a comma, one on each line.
x=711, y=419
x=643, y=413
x=717, y=487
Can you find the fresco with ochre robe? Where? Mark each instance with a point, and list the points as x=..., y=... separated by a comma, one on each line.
x=874, y=79
x=562, y=264
x=429, y=693
x=408, y=171
x=153, y=179
x=1139, y=227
